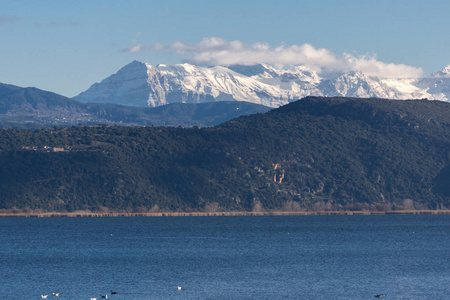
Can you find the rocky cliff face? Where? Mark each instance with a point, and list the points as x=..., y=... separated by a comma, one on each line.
x=141, y=84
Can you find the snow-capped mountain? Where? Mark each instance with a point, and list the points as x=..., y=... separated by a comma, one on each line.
x=445, y=72
x=141, y=84
x=438, y=84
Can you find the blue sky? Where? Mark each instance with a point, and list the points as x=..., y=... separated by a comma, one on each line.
x=66, y=46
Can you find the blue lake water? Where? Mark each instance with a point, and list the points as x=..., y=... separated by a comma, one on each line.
x=271, y=257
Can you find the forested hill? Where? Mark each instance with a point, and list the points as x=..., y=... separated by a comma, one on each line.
x=316, y=153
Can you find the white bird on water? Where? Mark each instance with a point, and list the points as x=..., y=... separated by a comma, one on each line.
x=44, y=296
x=55, y=294
x=179, y=288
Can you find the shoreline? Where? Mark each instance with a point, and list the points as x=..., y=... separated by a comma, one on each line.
x=223, y=214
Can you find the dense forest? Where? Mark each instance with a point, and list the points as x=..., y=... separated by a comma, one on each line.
x=314, y=154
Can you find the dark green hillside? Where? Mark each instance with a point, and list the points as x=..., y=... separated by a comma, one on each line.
x=316, y=153
x=345, y=151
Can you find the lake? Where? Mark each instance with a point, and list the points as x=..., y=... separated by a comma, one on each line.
x=243, y=257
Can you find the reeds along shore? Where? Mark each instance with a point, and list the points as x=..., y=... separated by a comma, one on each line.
x=216, y=214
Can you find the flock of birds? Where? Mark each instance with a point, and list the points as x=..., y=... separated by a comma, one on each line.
x=178, y=288
x=102, y=296
x=53, y=295
x=57, y=295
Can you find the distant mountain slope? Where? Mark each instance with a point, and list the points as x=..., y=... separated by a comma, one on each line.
x=203, y=114
x=14, y=98
x=34, y=108
x=144, y=85
x=316, y=153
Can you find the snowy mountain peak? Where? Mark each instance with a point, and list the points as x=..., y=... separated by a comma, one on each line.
x=141, y=84
x=128, y=85
x=445, y=72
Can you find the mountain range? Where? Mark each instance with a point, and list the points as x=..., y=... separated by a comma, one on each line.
x=187, y=95
x=35, y=108
x=141, y=84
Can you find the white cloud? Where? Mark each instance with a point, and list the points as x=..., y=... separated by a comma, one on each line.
x=217, y=51
x=141, y=47
x=370, y=66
